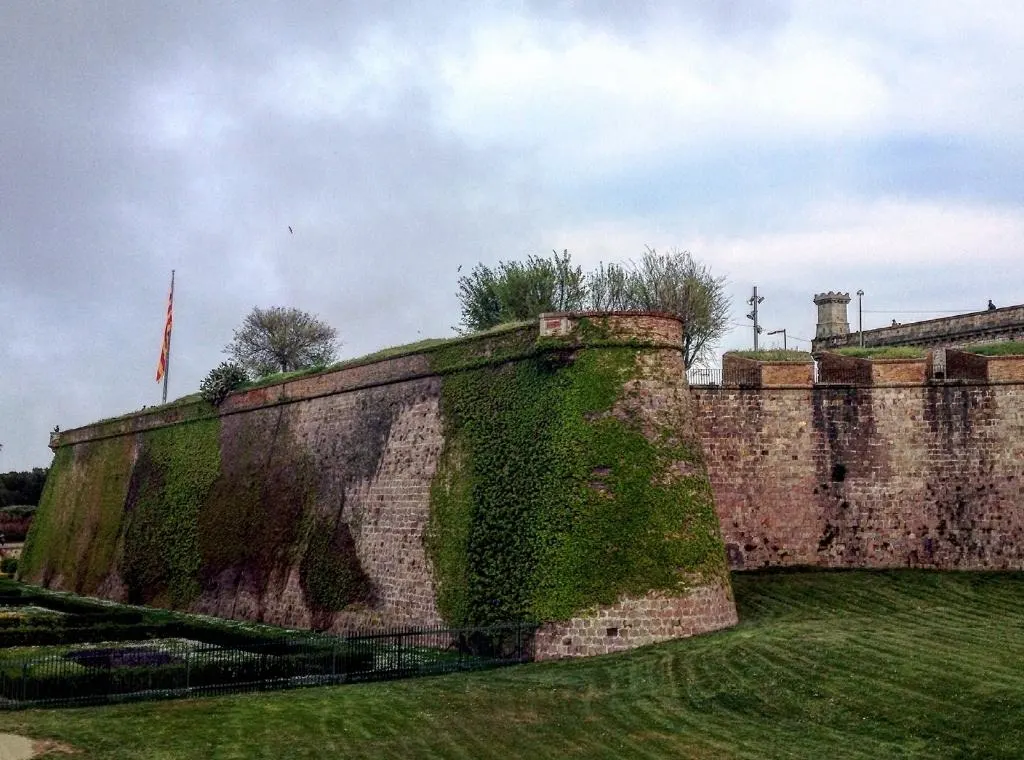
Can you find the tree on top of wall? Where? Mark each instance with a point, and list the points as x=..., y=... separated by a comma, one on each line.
x=672, y=282
x=514, y=291
x=282, y=339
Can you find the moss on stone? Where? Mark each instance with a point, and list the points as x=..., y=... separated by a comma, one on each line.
x=75, y=532
x=176, y=468
x=551, y=499
x=330, y=573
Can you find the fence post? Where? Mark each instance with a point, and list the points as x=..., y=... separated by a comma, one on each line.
x=188, y=669
x=24, y=680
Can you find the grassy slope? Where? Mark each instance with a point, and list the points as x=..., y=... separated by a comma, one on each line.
x=884, y=352
x=1004, y=348
x=904, y=664
x=776, y=355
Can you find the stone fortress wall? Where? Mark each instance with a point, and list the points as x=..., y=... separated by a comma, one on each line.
x=878, y=464
x=958, y=331
x=885, y=463
x=272, y=506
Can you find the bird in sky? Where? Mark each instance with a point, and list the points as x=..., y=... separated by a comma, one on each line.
x=459, y=269
x=290, y=231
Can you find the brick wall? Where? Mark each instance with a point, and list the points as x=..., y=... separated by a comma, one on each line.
x=374, y=452
x=929, y=476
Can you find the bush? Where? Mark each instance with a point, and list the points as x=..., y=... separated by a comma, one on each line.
x=221, y=381
x=9, y=565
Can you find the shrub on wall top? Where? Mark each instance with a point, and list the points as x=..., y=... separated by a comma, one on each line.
x=222, y=379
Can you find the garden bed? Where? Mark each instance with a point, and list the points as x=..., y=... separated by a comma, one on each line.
x=60, y=649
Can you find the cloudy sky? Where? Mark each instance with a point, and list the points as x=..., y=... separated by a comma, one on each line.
x=798, y=146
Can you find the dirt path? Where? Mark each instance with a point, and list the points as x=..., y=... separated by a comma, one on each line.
x=14, y=747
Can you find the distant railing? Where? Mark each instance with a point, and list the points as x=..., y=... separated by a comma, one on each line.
x=704, y=377
x=162, y=669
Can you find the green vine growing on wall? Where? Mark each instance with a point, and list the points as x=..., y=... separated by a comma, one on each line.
x=77, y=532
x=38, y=553
x=330, y=573
x=548, y=502
x=176, y=468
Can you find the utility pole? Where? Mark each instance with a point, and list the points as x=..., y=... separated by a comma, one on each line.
x=754, y=301
x=776, y=332
x=860, y=317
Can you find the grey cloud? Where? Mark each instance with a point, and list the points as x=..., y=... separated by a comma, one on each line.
x=96, y=207
x=141, y=137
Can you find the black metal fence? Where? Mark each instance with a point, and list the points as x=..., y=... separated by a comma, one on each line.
x=162, y=669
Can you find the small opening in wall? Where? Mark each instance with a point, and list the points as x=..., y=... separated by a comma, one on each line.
x=838, y=473
x=611, y=632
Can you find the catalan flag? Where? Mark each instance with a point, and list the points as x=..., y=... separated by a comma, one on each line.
x=165, y=349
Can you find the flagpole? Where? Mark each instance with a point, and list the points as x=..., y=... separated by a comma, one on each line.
x=167, y=368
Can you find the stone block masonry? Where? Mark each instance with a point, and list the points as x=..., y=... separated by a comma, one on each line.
x=904, y=474
x=308, y=503
x=314, y=502
x=961, y=330
x=636, y=622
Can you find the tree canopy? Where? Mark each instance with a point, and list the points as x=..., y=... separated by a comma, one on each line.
x=281, y=339
x=17, y=488
x=672, y=282
x=518, y=290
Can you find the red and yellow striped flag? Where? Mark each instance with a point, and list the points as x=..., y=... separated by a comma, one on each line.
x=165, y=349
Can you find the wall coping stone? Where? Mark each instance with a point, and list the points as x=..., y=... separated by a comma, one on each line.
x=357, y=374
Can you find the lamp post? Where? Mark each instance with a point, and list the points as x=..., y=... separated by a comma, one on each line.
x=776, y=332
x=860, y=317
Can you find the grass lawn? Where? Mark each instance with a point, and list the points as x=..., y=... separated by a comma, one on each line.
x=1002, y=348
x=907, y=664
x=884, y=352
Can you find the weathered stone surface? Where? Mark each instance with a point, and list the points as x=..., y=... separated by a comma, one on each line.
x=929, y=476
x=955, y=331
x=634, y=622
x=354, y=452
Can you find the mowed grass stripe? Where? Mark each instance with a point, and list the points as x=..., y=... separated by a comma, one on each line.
x=908, y=664
x=986, y=657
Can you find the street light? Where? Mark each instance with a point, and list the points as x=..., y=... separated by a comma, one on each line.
x=860, y=317
x=776, y=332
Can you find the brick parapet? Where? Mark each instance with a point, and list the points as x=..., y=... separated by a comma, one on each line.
x=1005, y=369
x=899, y=371
x=619, y=327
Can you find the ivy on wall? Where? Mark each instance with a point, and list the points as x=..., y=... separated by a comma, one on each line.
x=38, y=556
x=173, y=475
x=547, y=501
x=330, y=573
x=550, y=497
x=75, y=531
x=253, y=516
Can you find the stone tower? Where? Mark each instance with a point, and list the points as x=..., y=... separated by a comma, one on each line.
x=832, y=318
